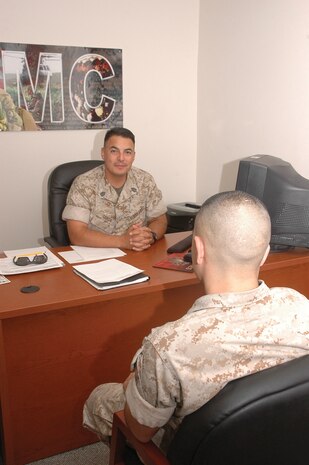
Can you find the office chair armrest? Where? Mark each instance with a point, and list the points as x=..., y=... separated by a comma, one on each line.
x=149, y=453
x=52, y=241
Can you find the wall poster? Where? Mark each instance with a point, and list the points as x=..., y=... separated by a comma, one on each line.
x=59, y=87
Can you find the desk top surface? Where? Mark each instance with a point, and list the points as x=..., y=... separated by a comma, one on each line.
x=61, y=288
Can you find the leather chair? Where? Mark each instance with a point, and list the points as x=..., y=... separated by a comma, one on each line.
x=59, y=183
x=260, y=419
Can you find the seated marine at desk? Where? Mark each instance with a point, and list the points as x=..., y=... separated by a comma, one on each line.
x=240, y=326
x=116, y=204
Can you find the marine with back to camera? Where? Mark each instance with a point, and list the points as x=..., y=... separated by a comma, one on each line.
x=240, y=326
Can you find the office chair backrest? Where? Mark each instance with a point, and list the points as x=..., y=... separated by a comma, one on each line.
x=59, y=183
x=260, y=419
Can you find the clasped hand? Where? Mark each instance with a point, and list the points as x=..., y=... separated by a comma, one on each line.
x=140, y=237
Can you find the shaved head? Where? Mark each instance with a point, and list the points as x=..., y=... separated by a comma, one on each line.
x=235, y=228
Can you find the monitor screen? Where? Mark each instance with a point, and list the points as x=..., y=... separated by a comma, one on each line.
x=284, y=192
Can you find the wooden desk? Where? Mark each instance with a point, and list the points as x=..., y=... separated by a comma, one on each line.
x=58, y=344
x=288, y=269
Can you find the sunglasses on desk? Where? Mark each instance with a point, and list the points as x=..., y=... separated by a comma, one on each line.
x=38, y=259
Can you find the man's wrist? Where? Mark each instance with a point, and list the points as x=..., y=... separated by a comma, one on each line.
x=154, y=236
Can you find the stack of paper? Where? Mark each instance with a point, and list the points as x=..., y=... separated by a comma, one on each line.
x=88, y=254
x=110, y=273
x=7, y=266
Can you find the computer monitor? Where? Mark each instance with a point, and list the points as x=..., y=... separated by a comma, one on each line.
x=284, y=192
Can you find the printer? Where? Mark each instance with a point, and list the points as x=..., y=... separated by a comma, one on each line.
x=181, y=216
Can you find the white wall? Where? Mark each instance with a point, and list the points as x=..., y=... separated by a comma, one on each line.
x=253, y=87
x=249, y=67
x=160, y=47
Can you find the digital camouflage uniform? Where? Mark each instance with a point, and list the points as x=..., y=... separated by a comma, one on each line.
x=184, y=363
x=94, y=201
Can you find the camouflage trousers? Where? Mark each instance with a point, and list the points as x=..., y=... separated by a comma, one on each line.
x=108, y=398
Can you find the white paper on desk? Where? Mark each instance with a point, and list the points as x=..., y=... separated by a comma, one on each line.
x=71, y=256
x=8, y=267
x=88, y=254
x=136, y=279
x=4, y=280
x=107, y=271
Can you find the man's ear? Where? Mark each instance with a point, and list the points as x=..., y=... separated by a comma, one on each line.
x=102, y=153
x=200, y=249
x=265, y=255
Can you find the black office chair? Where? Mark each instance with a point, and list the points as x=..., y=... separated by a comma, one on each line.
x=260, y=419
x=59, y=183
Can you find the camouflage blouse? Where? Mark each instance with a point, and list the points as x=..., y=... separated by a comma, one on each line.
x=184, y=363
x=94, y=201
